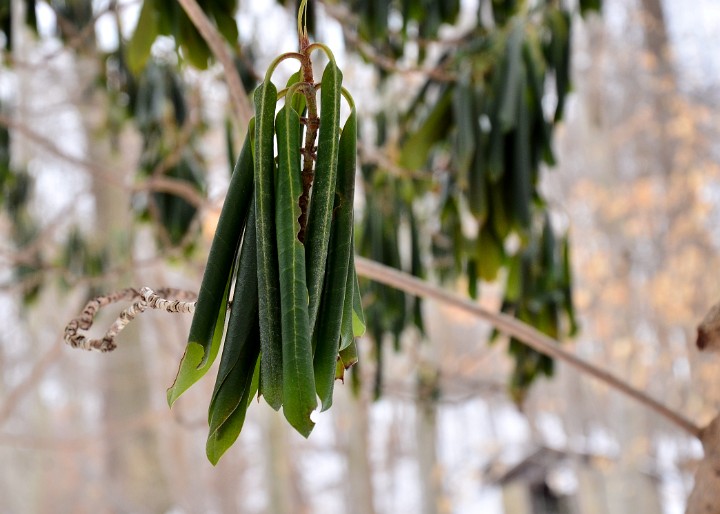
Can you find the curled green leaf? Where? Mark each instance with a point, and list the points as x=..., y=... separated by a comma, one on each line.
x=208, y=322
x=271, y=367
x=229, y=402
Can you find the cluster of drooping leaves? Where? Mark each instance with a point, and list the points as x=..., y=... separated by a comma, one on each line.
x=538, y=292
x=285, y=256
x=376, y=25
x=482, y=127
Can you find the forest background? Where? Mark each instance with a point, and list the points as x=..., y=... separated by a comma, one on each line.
x=636, y=186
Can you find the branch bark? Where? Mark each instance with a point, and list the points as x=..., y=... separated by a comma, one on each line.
x=404, y=282
x=519, y=330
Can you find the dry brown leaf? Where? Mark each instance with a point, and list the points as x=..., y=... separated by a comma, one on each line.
x=708, y=332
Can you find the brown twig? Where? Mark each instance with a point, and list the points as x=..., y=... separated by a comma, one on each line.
x=519, y=330
x=239, y=100
x=312, y=123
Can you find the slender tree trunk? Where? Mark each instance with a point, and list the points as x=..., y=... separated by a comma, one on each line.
x=428, y=466
x=353, y=431
x=135, y=478
x=662, y=83
x=285, y=493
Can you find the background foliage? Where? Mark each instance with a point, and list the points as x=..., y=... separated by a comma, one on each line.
x=459, y=127
x=470, y=142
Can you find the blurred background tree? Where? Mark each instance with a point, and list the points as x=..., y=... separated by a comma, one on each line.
x=117, y=137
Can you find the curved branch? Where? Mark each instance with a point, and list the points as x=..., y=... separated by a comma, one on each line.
x=177, y=187
x=157, y=183
x=519, y=330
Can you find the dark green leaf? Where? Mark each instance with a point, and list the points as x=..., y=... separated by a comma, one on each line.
x=146, y=30
x=358, y=323
x=209, y=319
x=327, y=331
x=511, y=70
x=229, y=401
x=490, y=255
x=415, y=150
x=323, y=191
x=522, y=183
x=298, y=378
x=349, y=355
x=346, y=327
x=466, y=123
x=271, y=365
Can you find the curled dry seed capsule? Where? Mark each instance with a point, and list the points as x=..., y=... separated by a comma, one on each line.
x=328, y=328
x=323, y=191
x=233, y=387
x=298, y=379
x=268, y=277
x=208, y=322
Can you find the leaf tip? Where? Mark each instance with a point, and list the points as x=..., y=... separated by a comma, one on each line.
x=188, y=372
x=212, y=451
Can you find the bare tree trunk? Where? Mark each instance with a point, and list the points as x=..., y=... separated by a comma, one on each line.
x=428, y=466
x=662, y=83
x=353, y=431
x=135, y=478
x=285, y=494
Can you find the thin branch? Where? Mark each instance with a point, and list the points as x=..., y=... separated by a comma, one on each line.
x=52, y=148
x=239, y=100
x=29, y=253
x=177, y=187
x=519, y=330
